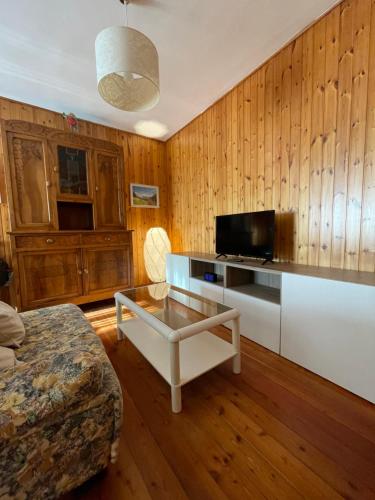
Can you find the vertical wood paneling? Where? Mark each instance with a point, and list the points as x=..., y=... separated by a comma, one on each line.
x=367, y=244
x=317, y=128
x=297, y=135
x=344, y=103
x=304, y=169
x=260, y=162
x=294, y=162
x=247, y=146
x=253, y=141
x=240, y=147
x=329, y=135
x=276, y=167
x=268, y=102
x=361, y=28
x=286, y=94
x=145, y=163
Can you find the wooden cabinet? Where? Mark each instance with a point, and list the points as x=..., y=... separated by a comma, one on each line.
x=29, y=176
x=73, y=267
x=65, y=193
x=108, y=191
x=106, y=268
x=52, y=174
x=49, y=276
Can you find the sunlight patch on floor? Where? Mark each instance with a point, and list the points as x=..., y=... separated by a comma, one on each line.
x=104, y=319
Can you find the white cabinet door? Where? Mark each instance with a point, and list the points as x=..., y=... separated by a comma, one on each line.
x=207, y=290
x=329, y=327
x=178, y=270
x=260, y=319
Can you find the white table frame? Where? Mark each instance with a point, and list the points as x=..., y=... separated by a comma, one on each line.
x=174, y=337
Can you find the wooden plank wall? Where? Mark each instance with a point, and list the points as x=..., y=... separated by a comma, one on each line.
x=145, y=163
x=298, y=135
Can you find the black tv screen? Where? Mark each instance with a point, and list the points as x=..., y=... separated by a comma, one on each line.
x=249, y=234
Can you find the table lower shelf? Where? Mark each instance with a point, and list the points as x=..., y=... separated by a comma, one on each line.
x=198, y=354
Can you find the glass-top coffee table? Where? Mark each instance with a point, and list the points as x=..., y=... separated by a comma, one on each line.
x=174, y=339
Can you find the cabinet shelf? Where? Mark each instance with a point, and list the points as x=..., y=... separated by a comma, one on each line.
x=75, y=216
x=258, y=284
x=198, y=268
x=262, y=292
x=219, y=282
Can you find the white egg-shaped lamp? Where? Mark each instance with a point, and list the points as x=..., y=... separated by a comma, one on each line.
x=155, y=250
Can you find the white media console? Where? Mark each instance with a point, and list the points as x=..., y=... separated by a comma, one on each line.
x=322, y=319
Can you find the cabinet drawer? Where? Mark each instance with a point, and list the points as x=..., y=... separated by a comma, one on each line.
x=259, y=320
x=207, y=290
x=48, y=241
x=106, y=238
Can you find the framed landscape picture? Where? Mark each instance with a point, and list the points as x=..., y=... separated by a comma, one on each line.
x=144, y=196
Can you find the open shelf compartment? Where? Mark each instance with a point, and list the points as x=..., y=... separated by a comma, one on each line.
x=199, y=267
x=259, y=284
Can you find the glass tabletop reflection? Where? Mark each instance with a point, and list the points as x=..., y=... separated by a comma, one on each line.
x=162, y=301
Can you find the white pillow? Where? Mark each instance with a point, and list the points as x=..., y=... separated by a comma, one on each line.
x=12, y=330
x=7, y=358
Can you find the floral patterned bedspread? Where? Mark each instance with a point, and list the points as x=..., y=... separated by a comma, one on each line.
x=60, y=409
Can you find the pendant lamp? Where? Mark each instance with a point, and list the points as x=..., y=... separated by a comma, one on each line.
x=127, y=68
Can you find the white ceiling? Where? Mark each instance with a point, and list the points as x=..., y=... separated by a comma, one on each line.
x=205, y=47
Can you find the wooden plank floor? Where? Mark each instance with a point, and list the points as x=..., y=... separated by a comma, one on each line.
x=275, y=431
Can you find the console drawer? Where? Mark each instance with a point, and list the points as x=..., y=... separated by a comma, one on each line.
x=259, y=320
x=106, y=238
x=206, y=289
x=48, y=241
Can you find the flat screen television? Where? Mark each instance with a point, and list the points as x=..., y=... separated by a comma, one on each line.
x=249, y=234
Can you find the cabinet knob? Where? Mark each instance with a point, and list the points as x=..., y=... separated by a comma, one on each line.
x=96, y=188
x=79, y=271
x=55, y=169
x=86, y=271
x=48, y=184
x=50, y=241
x=107, y=238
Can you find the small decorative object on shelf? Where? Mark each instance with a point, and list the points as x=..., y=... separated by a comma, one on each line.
x=212, y=277
x=72, y=121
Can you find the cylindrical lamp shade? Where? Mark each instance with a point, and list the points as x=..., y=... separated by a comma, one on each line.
x=155, y=250
x=127, y=67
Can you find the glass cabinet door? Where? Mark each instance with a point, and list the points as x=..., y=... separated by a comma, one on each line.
x=73, y=176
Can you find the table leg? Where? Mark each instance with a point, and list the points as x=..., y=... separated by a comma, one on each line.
x=176, y=399
x=174, y=353
x=236, y=344
x=120, y=333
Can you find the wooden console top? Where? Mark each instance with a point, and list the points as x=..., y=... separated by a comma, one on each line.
x=358, y=277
